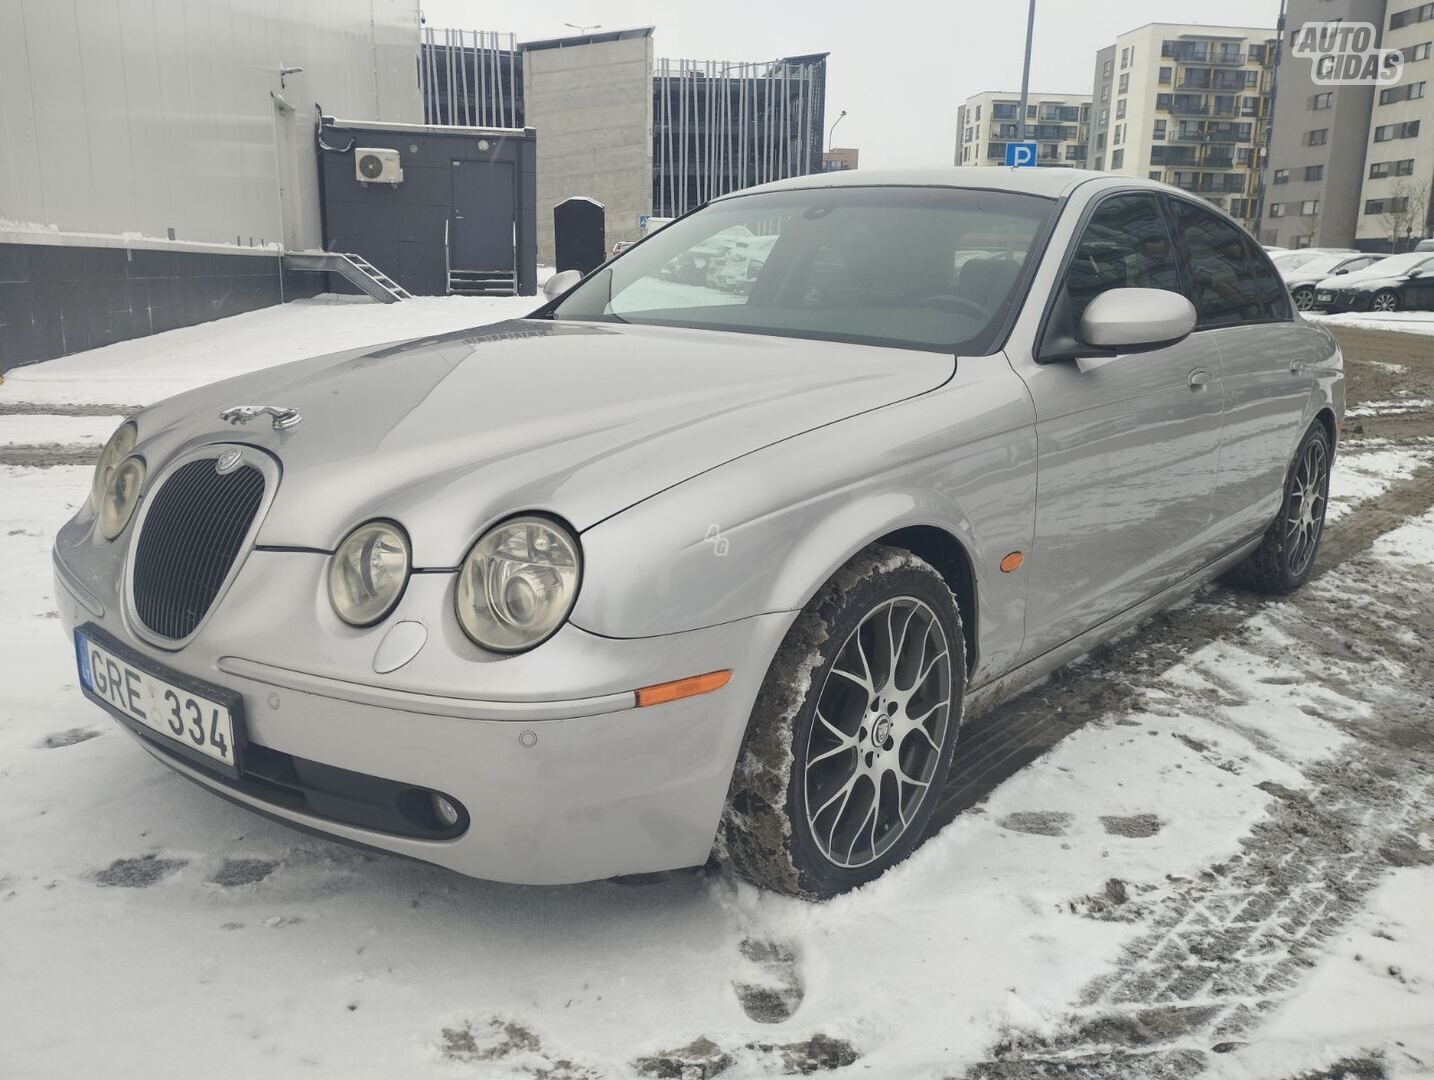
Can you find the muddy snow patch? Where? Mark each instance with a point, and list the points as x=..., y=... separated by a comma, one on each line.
x=69, y=737
x=1038, y=822
x=236, y=872
x=139, y=873
x=1369, y=468
x=1132, y=826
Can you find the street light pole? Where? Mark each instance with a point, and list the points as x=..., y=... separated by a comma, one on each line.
x=831, y=136
x=1026, y=73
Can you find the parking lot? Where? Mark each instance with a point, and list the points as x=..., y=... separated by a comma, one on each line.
x=1205, y=849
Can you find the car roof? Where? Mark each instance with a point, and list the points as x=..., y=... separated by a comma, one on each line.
x=1052, y=183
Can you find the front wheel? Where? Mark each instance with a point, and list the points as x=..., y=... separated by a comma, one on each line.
x=853, y=732
x=1385, y=300
x=1285, y=558
x=1304, y=299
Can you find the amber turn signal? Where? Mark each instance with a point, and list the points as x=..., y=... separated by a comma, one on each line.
x=683, y=688
x=1012, y=561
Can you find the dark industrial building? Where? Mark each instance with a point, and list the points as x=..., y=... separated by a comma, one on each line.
x=458, y=217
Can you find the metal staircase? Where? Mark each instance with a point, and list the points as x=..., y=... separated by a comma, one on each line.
x=354, y=269
x=477, y=282
x=482, y=283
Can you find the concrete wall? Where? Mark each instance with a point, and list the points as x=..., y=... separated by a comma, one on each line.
x=141, y=116
x=1347, y=120
x=124, y=123
x=592, y=107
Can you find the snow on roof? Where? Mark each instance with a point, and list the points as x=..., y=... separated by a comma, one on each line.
x=1049, y=182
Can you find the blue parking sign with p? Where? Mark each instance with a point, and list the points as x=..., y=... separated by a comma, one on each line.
x=1020, y=154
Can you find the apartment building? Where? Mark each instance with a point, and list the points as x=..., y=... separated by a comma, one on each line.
x=1314, y=167
x=1187, y=105
x=1396, y=199
x=1057, y=123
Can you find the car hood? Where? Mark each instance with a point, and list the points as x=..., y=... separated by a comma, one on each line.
x=1357, y=281
x=447, y=435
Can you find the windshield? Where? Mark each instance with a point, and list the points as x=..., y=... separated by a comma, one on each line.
x=923, y=268
x=1288, y=260
x=1395, y=265
x=1325, y=264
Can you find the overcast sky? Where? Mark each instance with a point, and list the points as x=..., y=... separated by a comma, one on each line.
x=899, y=67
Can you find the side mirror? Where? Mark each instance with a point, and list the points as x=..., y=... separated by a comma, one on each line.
x=1136, y=318
x=1338, y=272
x=561, y=282
x=1414, y=273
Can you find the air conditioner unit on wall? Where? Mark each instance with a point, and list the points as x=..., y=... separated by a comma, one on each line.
x=376, y=165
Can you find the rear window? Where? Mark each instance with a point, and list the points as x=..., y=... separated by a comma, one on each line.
x=922, y=268
x=1233, y=281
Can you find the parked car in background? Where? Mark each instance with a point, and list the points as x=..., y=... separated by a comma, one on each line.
x=707, y=573
x=1302, y=279
x=1425, y=245
x=1397, y=283
x=743, y=262
x=693, y=267
x=1289, y=260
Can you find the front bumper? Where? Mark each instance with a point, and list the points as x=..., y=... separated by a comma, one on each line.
x=1342, y=300
x=562, y=777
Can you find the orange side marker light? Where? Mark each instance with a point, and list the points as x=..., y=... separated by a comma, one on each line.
x=682, y=688
x=1012, y=561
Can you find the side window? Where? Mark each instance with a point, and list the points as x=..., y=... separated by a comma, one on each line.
x=1126, y=245
x=1269, y=286
x=1232, y=282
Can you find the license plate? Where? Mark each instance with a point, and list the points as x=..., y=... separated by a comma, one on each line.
x=199, y=721
x=1324, y=296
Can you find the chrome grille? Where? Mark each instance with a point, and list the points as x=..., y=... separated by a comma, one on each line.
x=192, y=532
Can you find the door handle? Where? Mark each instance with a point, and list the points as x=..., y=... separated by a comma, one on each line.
x=1297, y=367
x=1199, y=379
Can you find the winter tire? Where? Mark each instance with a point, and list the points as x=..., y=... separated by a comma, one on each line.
x=1285, y=558
x=1385, y=300
x=853, y=731
x=1304, y=299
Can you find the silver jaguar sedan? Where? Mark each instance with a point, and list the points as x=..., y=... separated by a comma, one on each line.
x=665, y=569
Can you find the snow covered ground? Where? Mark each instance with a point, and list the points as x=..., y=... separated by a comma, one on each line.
x=1405, y=322
x=1229, y=866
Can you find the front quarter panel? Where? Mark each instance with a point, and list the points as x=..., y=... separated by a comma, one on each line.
x=764, y=532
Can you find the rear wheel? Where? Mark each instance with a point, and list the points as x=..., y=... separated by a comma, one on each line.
x=853, y=732
x=1285, y=558
x=1385, y=300
x=1304, y=299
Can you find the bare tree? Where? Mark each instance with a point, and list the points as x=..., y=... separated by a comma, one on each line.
x=1407, y=213
x=1309, y=229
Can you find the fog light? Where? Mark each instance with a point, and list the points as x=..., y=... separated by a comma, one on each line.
x=446, y=811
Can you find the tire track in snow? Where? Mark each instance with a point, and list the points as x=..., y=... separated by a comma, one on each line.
x=1223, y=950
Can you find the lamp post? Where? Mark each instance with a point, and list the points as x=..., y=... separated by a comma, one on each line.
x=1026, y=73
x=583, y=29
x=831, y=135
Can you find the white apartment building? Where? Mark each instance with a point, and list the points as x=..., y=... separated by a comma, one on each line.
x=1396, y=195
x=1185, y=104
x=1057, y=123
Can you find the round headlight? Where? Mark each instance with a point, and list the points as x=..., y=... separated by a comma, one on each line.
x=121, y=496
x=368, y=572
x=115, y=451
x=518, y=584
